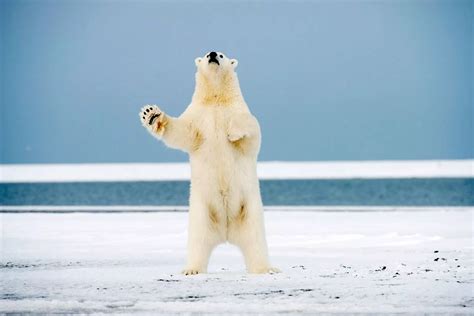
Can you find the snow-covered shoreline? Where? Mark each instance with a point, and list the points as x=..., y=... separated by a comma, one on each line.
x=365, y=262
x=14, y=173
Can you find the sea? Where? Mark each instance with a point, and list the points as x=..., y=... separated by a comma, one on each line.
x=347, y=192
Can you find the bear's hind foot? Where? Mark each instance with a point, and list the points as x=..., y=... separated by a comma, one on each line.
x=191, y=271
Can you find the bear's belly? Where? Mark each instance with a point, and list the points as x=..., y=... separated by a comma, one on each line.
x=222, y=176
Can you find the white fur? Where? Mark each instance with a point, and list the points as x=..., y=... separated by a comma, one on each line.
x=222, y=138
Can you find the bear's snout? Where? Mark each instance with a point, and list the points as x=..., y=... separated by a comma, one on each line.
x=213, y=58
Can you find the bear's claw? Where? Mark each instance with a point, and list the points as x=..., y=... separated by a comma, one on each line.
x=273, y=270
x=190, y=271
x=152, y=118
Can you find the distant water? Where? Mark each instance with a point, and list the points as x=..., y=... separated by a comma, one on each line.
x=397, y=192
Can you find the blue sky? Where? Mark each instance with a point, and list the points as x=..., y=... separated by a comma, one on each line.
x=328, y=80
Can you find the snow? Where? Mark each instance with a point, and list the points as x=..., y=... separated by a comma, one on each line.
x=266, y=170
x=331, y=261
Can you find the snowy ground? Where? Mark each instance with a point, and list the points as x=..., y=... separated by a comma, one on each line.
x=402, y=261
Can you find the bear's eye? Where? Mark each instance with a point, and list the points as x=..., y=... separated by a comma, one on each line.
x=207, y=56
x=221, y=56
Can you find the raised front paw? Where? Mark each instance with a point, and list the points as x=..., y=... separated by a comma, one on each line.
x=153, y=118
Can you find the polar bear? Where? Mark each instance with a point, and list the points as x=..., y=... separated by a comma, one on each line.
x=222, y=138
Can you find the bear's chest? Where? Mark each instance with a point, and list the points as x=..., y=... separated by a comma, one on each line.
x=213, y=123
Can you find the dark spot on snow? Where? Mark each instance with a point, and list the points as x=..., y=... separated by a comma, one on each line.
x=326, y=276
x=436, y=251
x=436, y=259
x=261, y=293
x=11, y=265
x=188, y=298
x=166, y=280
x=336, y=297
x=124, y=305
x=381, y=269
x=16, y=297
x=428, y=270
x=458, y=266
x=10, y=296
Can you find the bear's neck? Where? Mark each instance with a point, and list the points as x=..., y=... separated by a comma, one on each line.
x=223, y=91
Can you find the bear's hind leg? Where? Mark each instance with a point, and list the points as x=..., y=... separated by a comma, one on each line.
x=247, y=231
x=204, y=234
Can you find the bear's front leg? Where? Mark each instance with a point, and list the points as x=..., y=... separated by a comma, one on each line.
x=153, y=119
x=236, y=131
x=243, y=132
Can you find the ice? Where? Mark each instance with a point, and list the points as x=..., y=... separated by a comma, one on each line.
x=400, y=261
x=266, y=170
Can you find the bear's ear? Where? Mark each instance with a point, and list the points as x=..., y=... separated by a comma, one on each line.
x=234, y=63
x=197, y=61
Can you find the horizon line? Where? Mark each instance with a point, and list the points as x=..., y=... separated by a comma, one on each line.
x=60, y=209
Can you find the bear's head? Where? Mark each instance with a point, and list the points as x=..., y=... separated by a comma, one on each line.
x=216, y=79
x=215, y=64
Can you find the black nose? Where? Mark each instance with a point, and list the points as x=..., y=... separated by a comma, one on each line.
x=213, y=55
